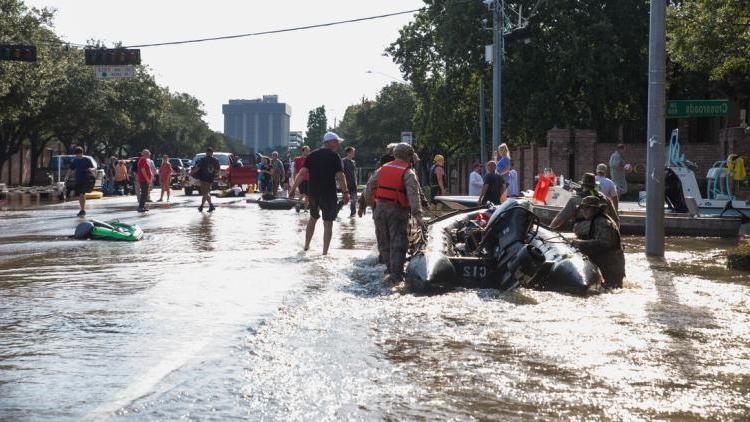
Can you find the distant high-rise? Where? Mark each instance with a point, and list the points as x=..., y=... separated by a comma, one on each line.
x=261, y=124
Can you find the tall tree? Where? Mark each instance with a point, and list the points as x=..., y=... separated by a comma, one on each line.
x=317, y=125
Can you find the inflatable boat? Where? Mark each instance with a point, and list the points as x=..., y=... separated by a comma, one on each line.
x=112, y=230
x=277, y=204
x=498, y=247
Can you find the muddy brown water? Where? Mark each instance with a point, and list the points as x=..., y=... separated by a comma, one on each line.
x=222, y=316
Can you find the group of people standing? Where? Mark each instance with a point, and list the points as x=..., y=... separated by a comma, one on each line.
x=273, y=173
x=500, y=180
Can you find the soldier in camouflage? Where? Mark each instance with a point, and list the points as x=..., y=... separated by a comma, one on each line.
x=395, y=192
x=598, y=237
x=572, y=210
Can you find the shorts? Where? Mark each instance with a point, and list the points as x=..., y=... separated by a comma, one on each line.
x=329, y=207
x=205, y=187
x=84, y=186
x=303, y=187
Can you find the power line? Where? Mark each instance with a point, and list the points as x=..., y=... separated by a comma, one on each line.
x=275, y=31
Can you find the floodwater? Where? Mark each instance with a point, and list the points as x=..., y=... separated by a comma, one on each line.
x=223, y=317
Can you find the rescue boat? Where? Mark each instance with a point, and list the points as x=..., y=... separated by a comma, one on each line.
x=500, y=247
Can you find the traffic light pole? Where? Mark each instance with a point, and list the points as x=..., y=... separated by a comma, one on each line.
x=655, y=160
x=482, y=126
x=497, y=69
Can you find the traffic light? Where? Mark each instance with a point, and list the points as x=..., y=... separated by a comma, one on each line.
x=19, y=53
x=112, y=56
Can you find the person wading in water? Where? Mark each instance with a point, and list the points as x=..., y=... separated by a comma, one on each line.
x=325, y=169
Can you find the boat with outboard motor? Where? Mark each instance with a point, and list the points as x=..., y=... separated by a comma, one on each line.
x=498, y=247
x=687, y=212
x=111, y=230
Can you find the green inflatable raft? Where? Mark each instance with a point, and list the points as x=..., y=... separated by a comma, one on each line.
x=111, y=230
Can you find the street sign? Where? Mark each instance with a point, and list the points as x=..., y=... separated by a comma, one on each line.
x=407, y=137
x=697, y=108
x=114, y=72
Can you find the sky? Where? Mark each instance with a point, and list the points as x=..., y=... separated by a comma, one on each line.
x=306, y=69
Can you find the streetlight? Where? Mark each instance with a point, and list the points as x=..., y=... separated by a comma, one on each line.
x=502, y=31
x=385, y=74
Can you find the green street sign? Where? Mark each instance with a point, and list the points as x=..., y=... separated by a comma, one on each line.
x=697, y=108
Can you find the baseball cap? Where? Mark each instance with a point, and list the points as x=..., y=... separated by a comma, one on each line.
x=330, y=136
x=601, y=168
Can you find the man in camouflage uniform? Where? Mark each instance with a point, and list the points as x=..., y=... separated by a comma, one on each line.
x=571, y=211
x=598, y=237
x=394, y=190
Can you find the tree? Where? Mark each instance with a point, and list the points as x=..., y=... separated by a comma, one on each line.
x=23, y=86
x=707, y=45
x=370, y=125
x=317, y=125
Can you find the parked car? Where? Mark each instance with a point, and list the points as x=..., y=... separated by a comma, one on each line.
x=59, y=164
x=191, y=184
x=177, y=171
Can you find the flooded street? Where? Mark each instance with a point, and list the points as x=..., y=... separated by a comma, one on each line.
x=222, y=316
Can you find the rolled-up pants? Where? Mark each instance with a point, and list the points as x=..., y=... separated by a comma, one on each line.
x=392, y=226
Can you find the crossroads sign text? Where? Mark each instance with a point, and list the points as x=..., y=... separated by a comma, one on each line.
x=697, y=108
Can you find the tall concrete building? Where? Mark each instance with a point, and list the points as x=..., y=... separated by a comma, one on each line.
x=261, y=124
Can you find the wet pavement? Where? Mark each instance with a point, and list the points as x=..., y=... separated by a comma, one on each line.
x=222, y=316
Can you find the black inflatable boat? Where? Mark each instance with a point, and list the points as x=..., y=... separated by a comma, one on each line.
x=498, y=247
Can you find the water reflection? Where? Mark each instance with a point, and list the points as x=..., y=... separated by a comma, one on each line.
x=222, y=316
x=201, y=234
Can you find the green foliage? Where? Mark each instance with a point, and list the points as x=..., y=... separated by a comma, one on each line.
x=710, y=36
x=58, y=98
x=317, y=125
x=371, y=125
x=585, y=67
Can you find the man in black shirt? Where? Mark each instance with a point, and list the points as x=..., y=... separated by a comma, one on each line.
x=84, y=177
x=325, y=168
x=206, y=169
x=494, y=186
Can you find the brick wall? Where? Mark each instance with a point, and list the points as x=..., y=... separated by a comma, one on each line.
x=587, y=153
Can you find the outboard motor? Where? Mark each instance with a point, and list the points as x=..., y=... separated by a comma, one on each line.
x=509, y=224
x=673, y=192
x=522, y=267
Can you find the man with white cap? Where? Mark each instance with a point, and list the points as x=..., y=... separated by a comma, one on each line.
x=606, y=185
x=325, y=168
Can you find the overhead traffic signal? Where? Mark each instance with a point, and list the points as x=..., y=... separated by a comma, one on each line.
x=112, y=56
x=19, y=53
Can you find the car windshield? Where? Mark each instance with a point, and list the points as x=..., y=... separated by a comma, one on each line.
x=223, y=158
x=175, y=162
x=65, y=160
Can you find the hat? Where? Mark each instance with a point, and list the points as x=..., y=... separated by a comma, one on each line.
x=403, y=151
x=330, y=136
x=588, y=180
x=601, y=168
x=591, y=202
x=438, y=157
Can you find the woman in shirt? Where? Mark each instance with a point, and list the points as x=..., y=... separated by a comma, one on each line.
x=165, y=177
x=503, y=163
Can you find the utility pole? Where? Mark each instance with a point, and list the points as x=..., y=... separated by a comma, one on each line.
x=655, y=161
x=498, y=22
x=482, y=125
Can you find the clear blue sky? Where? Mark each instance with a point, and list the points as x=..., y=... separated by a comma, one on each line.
x=306, y=69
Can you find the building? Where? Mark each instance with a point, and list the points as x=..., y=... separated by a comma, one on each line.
x=296, y=139
x=261, y=124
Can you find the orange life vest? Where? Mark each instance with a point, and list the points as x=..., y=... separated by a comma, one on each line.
x=391, y=185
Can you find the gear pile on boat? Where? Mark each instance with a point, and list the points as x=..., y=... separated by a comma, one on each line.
x=501, y=247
